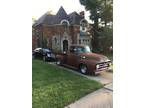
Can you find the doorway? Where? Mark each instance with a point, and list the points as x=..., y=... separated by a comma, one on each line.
x=65, y=45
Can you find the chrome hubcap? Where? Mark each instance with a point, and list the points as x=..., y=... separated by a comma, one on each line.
x=83, y=69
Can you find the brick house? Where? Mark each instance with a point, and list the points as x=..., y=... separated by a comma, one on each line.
x=59, y=31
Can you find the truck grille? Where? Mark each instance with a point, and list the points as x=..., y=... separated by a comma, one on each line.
x=103, y=65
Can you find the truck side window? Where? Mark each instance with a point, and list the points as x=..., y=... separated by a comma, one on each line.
x=40, y=50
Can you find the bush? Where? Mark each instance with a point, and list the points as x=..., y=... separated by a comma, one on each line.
x=106, y=40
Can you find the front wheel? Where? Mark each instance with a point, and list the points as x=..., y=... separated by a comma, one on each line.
x=83, y=69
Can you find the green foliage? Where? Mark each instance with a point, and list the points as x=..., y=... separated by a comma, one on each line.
x=106, y=39
x=106, y=13
x=103, y=10
x=99, y=9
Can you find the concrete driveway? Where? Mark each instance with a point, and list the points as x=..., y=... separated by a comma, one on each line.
x=104, y=77
x=101, y=98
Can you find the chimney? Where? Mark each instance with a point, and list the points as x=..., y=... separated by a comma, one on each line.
x=82, y=14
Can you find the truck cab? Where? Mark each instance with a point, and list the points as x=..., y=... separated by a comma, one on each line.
x=81, y=57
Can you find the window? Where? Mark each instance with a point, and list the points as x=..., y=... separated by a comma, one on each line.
x=65, y=24
x=83, y=40
x=83, y=25
x=55, y=40
x=79, y=41
x=85, y=49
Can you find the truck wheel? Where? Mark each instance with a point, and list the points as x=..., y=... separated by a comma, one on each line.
x=83, y=69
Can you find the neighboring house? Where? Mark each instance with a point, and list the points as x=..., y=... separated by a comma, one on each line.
x=59, y=31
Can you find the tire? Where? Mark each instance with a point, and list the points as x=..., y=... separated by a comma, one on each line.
x=83, y=69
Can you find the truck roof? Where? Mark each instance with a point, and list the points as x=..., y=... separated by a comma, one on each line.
x=78, y=45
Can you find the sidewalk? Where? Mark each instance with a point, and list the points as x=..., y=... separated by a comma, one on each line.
x=109, y=87
x=102, y=98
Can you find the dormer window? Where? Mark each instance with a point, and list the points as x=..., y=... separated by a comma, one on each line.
x=65, y=24
x=83, y=25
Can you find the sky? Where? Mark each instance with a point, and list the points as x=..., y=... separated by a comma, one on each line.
x=40, y=7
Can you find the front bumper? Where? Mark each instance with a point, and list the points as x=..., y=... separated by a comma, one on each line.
x=104, y=66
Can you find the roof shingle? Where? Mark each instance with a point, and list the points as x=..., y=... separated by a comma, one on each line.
x=73, y=18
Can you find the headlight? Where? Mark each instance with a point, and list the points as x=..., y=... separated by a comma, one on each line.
x=48, y=55
x=110, y=64
x=83, y=57
x=97, y=66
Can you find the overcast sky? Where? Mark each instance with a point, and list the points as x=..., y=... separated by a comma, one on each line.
x=40, y=7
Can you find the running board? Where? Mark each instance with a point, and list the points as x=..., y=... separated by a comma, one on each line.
x=72, y=67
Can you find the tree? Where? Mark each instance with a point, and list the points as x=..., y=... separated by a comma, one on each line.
x=106, y=39
x=94, y=6
x=106, y=13
x=100, y=12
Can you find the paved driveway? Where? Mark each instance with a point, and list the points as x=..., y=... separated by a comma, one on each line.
x=99, y=99
x=104, y=77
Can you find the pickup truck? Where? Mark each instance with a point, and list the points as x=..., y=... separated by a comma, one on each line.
x=80, y=57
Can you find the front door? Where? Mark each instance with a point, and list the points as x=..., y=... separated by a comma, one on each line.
x=65, y=45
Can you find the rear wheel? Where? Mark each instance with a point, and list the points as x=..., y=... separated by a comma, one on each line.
x=83, y=69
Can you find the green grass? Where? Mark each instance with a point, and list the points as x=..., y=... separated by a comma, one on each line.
x=53, y=87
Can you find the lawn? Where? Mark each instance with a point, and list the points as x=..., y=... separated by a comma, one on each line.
x=53, y=87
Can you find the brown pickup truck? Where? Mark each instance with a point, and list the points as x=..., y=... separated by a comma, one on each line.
x=81, y=57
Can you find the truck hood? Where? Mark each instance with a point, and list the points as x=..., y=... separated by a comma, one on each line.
x=94, y=56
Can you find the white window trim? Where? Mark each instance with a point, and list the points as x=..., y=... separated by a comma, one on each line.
x=64, y=20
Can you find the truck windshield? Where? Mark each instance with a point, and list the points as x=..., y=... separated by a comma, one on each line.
x=85, y=49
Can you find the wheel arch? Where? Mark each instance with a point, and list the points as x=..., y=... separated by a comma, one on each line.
x=81, y=64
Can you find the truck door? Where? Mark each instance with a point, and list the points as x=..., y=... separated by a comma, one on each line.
x=72, y=57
